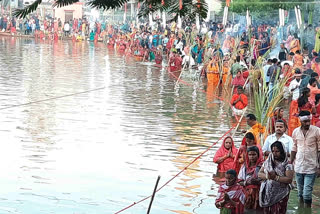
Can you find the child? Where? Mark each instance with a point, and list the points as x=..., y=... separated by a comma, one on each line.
x=230, y=198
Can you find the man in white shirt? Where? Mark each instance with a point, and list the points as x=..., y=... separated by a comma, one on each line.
x=66, y=28
x=265, y=70
x=236, y=29
x=279, y=135
x=295, y=84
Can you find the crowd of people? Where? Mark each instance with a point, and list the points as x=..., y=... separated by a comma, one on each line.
x=259, y=174
x=259, y=178
x=51, y=28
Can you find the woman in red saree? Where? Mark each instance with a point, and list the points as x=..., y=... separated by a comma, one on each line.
x=305, y=103
x=225, y=155
x=248, y=141
x=317, y=115
x=248, y=178
x=230, y=197
x=238, y=81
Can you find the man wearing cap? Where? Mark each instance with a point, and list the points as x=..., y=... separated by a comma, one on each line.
x=305, y=152
x=295, y=84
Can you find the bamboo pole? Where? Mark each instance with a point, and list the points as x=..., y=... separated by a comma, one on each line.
x=235, y=130
x=153, y=194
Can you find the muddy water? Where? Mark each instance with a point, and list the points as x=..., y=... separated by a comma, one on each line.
x=101, y=150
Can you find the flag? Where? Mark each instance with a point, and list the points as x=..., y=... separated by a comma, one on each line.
x=180, y=4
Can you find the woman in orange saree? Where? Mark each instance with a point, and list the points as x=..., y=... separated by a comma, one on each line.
x=294, y=121
x=213, y=72
x=226, y=73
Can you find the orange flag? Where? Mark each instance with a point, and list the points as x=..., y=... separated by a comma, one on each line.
x=180, y=4
x=228, y=3
x=162, y=2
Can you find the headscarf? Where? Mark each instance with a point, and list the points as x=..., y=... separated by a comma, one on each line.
x=238, y=80
x=271, y=192
x=236, y=194
x=251, y=169
x=222, y=150
x=223, y=167
x=243, y=151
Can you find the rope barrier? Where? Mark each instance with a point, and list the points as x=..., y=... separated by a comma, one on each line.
x=198, y=157
x=53, y=98
x=188, y=84
x=165, y=184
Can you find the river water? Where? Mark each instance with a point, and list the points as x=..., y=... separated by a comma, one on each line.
x=101, y=150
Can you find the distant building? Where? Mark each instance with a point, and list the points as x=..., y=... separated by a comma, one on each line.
x=69, y=12
x=214, y=6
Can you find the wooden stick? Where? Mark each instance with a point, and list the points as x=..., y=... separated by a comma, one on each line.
x=235, y=130
x=153, y=194
x=179, y=77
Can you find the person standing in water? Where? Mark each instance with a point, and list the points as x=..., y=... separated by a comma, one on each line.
x=225, y=155
x=305, y=152
x=230, y=197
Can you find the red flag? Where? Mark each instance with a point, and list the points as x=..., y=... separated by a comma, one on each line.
x=198, y=3
x=162, y=2
x=180, y=4
x=138, y=5
x=228, y=3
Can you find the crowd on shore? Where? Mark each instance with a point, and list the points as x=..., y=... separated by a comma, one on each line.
x=259, y=174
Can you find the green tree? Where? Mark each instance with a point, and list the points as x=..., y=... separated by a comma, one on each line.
x=263, y=6
x=190, y=8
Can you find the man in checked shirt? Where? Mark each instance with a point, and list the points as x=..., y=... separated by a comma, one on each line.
x=305, y=152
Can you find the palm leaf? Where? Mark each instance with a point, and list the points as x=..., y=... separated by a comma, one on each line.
x=105, y=4
x=62, y=3
x=172, y=7
x=22, y=13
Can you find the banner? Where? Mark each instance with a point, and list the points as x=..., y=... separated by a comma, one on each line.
x=179, y=24
x=164, y=19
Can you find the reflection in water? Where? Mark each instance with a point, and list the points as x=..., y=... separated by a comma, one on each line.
x=98, y=152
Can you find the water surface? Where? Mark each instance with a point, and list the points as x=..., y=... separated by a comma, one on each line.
x=99, y=151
